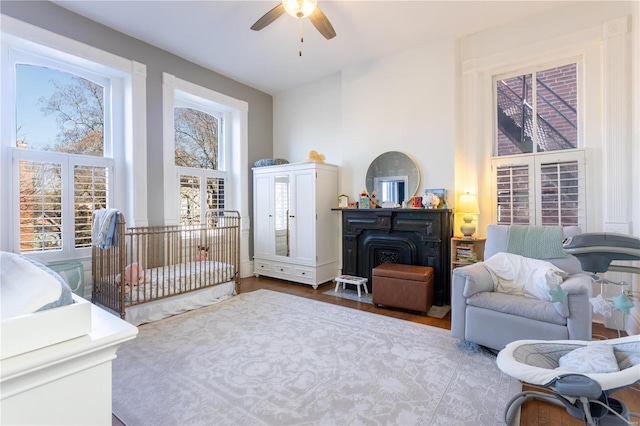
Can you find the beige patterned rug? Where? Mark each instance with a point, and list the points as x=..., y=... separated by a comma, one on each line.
x=276, y=359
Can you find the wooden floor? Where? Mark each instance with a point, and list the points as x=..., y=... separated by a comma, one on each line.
x=533, y=412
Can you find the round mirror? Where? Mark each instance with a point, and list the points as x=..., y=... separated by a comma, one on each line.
x=394, y=176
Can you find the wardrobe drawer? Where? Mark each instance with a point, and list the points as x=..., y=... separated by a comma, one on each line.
x=260, y=266
x=282, y=269
x=305, y=274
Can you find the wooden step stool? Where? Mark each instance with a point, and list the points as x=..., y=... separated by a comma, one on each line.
x=403, y=286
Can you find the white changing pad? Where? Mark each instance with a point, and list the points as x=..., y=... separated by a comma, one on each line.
x=27, y=288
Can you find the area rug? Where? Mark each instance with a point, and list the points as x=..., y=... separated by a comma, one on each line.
x=347, y=293
x=276, y=359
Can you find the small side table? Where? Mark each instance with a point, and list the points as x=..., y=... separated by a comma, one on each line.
x=350, y=279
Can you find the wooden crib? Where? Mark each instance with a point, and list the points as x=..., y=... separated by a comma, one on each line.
x=156, y=271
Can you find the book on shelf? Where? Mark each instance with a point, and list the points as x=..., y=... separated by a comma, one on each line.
x=466, y=252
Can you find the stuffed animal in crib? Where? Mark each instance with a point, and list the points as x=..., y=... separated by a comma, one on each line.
x=203, y=253
x=133, y=275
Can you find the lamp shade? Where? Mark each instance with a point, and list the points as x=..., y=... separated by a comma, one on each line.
x=299, y=8
x=468, y=203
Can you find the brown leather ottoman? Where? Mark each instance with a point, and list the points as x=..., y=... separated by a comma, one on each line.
x=403, y=286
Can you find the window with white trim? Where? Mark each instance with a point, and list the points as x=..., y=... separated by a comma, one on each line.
x=68, y=120
x=199, y=142
x=538, y=172
x=221, y=185
x=61, y=173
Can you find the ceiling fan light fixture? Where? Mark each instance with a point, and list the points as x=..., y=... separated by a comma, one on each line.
x=299, y=8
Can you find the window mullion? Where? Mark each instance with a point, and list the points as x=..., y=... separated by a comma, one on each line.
x=68, y=205
x=534, y=111
x=203, y=195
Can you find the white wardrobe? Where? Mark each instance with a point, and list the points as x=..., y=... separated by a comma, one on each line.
x=295, y=232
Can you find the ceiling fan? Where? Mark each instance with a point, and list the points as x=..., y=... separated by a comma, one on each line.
x=298, y=9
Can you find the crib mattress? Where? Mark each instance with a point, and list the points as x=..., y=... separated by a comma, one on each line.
x=172, y=280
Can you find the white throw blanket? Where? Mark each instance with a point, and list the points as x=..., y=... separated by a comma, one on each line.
x=24, y=287
x=515, y=274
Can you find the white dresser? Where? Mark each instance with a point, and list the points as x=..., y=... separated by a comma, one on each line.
x=66, y=383
x=295, y=232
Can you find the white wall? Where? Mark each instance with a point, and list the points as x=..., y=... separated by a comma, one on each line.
x=401, y=102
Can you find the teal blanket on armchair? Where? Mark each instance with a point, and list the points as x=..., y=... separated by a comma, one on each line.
x=538, y=242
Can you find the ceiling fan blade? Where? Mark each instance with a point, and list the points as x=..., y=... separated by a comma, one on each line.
x=322, y=24
x=268, y=17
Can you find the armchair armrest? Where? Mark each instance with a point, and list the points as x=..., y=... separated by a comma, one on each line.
x=578, y=284
x=476, y=278
x=466, y=281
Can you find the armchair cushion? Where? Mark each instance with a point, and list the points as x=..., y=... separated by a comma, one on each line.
x=525, y=307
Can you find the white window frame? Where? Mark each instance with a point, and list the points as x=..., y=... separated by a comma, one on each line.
x=232, y=153
x=127, y=112
x=535, y=159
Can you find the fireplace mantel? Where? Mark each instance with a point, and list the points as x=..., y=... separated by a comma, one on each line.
x=371, y=237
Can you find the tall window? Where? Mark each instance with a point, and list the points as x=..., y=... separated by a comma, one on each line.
x=538, y=171
x=201, y=178
x=68, y=121
x=204, y=140
x=62, y=164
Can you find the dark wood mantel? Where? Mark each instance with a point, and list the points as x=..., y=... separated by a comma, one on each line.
x=371, y=237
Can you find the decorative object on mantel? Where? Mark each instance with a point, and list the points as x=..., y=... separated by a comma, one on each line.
x=430, y=200
x=315, y=156
x=364, y=199
x=343, y=201
x=390, y=205
x=270, y=162
x=441, y=193
x=373, y=200
x=468, y=206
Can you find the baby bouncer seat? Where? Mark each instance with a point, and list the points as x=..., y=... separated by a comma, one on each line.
x=581, y=375
x=585, y=395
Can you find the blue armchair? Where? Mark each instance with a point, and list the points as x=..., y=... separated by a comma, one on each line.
x=493, y=319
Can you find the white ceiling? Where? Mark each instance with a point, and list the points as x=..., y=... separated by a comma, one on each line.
x=216, y=34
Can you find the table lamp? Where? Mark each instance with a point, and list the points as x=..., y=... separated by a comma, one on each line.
x=468, y=206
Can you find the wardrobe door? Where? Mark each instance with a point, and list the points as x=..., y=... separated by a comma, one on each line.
x=304, y=218
x=263, y=236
